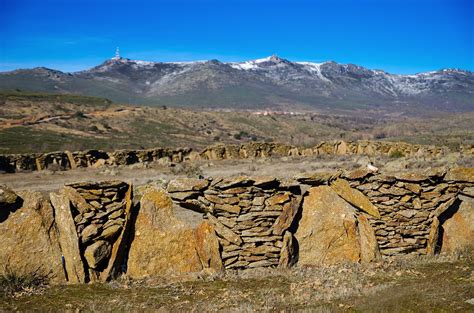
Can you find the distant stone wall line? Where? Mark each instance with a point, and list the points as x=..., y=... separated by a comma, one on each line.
x=65, y=160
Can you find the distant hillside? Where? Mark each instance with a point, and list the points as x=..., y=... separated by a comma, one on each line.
x=273, y=83
x=46, y=122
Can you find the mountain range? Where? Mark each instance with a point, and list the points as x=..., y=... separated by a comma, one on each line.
x=268, y=83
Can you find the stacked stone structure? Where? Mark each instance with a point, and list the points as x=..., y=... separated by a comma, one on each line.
x=248, y=222
x=95, y=158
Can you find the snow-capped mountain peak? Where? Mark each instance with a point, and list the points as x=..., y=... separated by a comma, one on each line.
x=256, y=81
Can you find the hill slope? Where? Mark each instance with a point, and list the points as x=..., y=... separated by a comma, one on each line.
x=45, y=122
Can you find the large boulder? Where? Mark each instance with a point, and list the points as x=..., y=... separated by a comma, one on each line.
x=458, y=226
x=29, y=240
x=327, y=232
x=164, y=240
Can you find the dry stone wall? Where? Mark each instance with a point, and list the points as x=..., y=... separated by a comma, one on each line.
x=93, y=221
x=249, y=215
x=248, y=222
x=95, y=158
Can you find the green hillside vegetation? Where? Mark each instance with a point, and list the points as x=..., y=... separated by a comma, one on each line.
x=36, y=122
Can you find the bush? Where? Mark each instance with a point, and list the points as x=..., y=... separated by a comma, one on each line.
x=190, y=170
x=79, y=115
x=12, y=283
x=396, y=154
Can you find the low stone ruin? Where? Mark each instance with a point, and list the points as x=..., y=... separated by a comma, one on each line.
x=95, y=158
x=237, y=223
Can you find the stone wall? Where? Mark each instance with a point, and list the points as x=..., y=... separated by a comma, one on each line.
x=250, y=216
x=95, y=158
x=93, y=221
x=216, y=224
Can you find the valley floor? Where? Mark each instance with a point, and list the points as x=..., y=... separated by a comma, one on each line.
x=415, y=284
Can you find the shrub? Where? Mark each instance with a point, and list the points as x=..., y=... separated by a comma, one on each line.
x=396, y=154
x=79, y=115
x=190, y=170
x=12, y=283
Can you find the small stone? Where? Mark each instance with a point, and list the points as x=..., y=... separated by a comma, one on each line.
x=111, y=232
x=405, y=199
x=96, y=204
x=238, y=264
x=224, y=232
x=90, y=232
x=278, y=199
x=258, y=201
x=234, y=182
x=231, y=200
x=413, y=188
x=214, y=199
x=118, y=221
x=114, y=206
x=181, y=196
x=187, y=184
x=229, y=222
x=394, y=191
x=89, y=196
x=228, y=208
x=97, y=253
x=116, y=214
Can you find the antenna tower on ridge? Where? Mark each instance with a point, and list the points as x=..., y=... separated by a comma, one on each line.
x=117, y=54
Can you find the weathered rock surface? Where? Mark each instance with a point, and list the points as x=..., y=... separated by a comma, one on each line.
x=29, y=240
x=207, y=247
x=464, y=174
x=187, y=184
x=287, y=253
x=9, y=201
x=68, y=238
x=162, y=243
x=327, y=232
x=7, y=196
x=369, y=248
x=354, y=197
x=458, y=230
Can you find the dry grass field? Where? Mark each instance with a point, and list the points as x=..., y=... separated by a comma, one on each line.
x=414, y=284
x=42, y=123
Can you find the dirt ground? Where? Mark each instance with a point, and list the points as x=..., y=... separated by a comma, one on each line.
x=154, y=173
x=415, y=284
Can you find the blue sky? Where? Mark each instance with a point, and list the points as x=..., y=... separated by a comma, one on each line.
x=405, y=36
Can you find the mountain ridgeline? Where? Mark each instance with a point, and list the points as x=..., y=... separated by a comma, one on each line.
x=269, y=83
